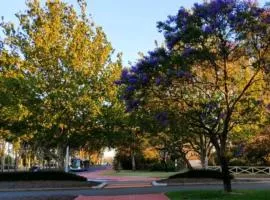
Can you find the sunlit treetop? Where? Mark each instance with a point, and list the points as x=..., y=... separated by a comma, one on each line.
x=209, y=32
x=225, y=18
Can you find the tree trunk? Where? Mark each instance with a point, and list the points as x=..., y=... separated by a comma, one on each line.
x=3, y=156
x=220, y=150
x=29, y=161
x=226, y=174
x=67, y=159
x=183, y=155
x=16, y=161
x=3, y=162
x=133, y=161
x=203, y=159
x=61, y=158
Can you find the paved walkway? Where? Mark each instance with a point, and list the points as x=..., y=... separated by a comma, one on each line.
x=98, y=176
x=126, y=197
x=121, y=182
x=118, y=181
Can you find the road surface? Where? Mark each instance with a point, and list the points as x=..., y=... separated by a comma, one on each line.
x=127, y=191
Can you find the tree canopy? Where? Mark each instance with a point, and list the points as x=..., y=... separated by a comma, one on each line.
x=56, y=74
x=212, y=71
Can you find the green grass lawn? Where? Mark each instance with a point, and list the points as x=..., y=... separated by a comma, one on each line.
x=220, y=195
x=139, y=173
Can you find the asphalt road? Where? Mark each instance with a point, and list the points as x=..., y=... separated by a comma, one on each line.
x=126, y=191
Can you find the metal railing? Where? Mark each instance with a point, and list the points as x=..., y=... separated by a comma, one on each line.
x=244, y=169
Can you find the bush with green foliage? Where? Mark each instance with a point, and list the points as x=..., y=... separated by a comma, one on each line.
x=162, y=166
x=202, y=173
x=124, y=161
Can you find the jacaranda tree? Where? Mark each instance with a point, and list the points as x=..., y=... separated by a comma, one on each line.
x=211, y=71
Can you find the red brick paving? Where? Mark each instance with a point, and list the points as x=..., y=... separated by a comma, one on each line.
x=99, y=175
x=125, y=197
x=145, y=181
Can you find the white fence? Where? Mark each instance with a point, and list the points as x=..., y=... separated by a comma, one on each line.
x=244, y=169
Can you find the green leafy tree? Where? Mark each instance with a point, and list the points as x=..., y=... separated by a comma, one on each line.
x=69, y=60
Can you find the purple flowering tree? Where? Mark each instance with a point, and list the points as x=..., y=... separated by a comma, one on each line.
x=212, y=71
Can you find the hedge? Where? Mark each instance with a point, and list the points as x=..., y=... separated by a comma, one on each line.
x=38, y=176
x=200, y=173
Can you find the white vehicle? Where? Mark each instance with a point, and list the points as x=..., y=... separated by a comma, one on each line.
x=78, y=165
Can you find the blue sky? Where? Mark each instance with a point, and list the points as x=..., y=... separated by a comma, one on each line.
x=130, y=25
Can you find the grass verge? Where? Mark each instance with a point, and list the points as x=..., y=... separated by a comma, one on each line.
x=220, y=195
x=139, y=173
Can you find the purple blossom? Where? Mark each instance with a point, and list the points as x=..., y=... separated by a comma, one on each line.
x=153, y=61
x=232, y=16
x=171, y=19
x=162, y=118
x=180, y=20
x=158, y=81
x=198, y=6
x=134, y=69
x=130, y=88
x=171, y=39
x=222, y=115
x=182, y=12
x=125, y=74
x=118, y=82
x=183, y=74
x=242, y=7
x=215, y=7
x=145, y=79
x=131, y=105
x=207, y=29
x=187, y=51
x=200, y=10
x=132, y=79
x=180, y=74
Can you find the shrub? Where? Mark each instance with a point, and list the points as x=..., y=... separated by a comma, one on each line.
x=168, y=167
x=238, y=162
x=124, y=161
x=200, y=174
x=43, y=175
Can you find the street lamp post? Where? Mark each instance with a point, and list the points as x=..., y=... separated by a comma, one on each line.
x=67, y=159
x=67, y=155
